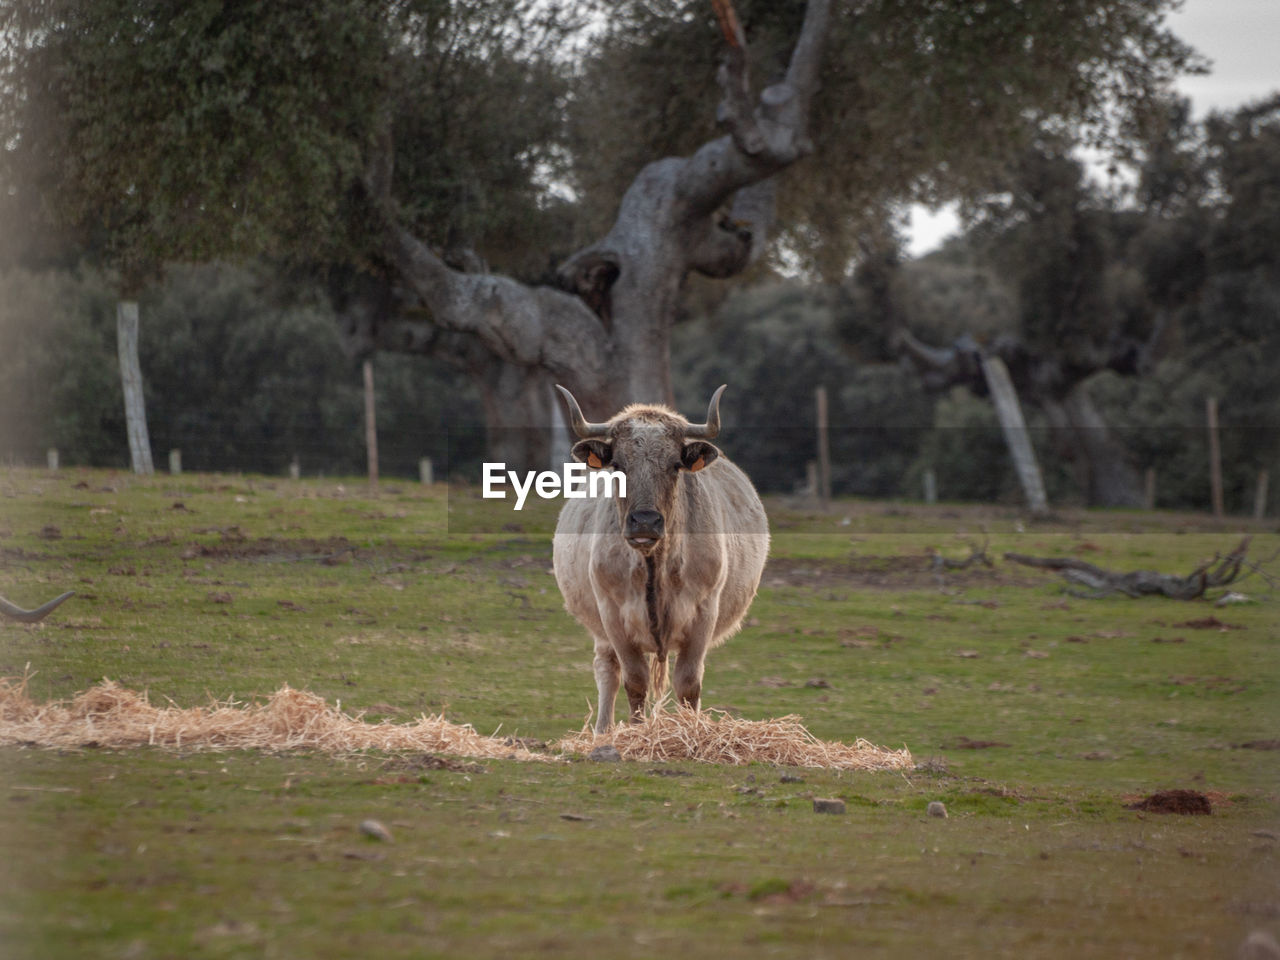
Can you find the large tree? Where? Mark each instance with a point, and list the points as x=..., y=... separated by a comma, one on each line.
x=212, y=127
x=1078, y=308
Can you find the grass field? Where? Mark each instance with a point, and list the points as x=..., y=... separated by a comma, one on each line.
x=1035, y=717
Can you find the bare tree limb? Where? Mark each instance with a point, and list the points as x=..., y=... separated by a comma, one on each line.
x=530, y=326
x=606, y=332
x=779, y=123
x=977, y=554
x=1218, y=572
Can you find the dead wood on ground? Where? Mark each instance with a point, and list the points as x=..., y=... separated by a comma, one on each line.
x=1218, y=572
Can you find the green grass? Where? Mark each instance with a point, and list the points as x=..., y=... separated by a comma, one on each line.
x=385, y=604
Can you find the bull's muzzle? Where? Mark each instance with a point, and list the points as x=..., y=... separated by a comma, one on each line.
x=643, y=529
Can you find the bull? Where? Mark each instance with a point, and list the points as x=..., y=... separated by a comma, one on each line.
x=668, y=568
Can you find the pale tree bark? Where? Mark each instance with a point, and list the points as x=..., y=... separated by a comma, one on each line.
x=1101, y=462
x=516, y=400
x=606, y=334
x=135, y=412
x=1009, y=411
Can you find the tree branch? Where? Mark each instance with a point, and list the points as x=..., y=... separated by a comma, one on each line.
x=529, y=326
x=762, y=140
x=725, y=248
x=1218, y=572
x=942, y=367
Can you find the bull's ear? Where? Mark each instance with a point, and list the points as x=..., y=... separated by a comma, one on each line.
x=594, y=453
x=698, y=454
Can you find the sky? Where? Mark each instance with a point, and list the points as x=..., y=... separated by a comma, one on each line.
x=1239, y=36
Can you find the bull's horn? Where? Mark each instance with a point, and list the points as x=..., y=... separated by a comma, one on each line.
x=32, y=616
x=583, y=427
x=708, y=430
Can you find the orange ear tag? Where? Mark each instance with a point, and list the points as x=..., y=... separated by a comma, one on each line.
x=697, y=465
x=593, y=461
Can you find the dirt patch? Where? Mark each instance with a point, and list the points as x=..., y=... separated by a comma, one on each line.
x=1174, y=801
x=909, y=572
x=431, y=761
x=1209, y=623
x=964, y=743
x=1212, y=684
x=1258, y=745
x=272, y=549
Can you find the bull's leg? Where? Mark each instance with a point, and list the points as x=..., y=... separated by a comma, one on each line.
x=607, y=678
x=686, y=675
x=635, y=680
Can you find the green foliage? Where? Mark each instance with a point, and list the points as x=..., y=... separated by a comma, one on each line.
x=189, y=132
x=192, y=131
x=477, y=118
x=1075, y=285
x=59, y=374
x=232, y=379
x=1210, y=265
x=773, y=346
x=920, y=99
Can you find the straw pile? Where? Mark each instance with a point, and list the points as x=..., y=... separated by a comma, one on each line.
x=713, y=736
x=108, y=715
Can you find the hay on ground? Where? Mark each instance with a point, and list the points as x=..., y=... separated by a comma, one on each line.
x=109, y=715
x=713, y=736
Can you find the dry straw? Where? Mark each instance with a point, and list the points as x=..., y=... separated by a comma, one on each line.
x=713, y=736
x=112, y=716
x=108, y=715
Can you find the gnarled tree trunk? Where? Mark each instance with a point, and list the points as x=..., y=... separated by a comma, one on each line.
x=606, y=334
x=1104, y=468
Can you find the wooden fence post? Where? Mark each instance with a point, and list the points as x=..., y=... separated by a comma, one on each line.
x=370, y=423
x=824, y=449
x=1149, y=489
x=425, y=472
x=175, y=462
x=1260, y=495
x=1215, y=456
x=295, y=468
x=51, y=458
x=930, y=486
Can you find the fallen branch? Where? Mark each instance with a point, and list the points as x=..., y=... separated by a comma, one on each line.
x=1218, y=572
x=977, y=554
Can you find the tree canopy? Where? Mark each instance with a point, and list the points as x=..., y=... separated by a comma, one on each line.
x=425, y=140
x=167, y=132
x=160, y=133
x=920, y=100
